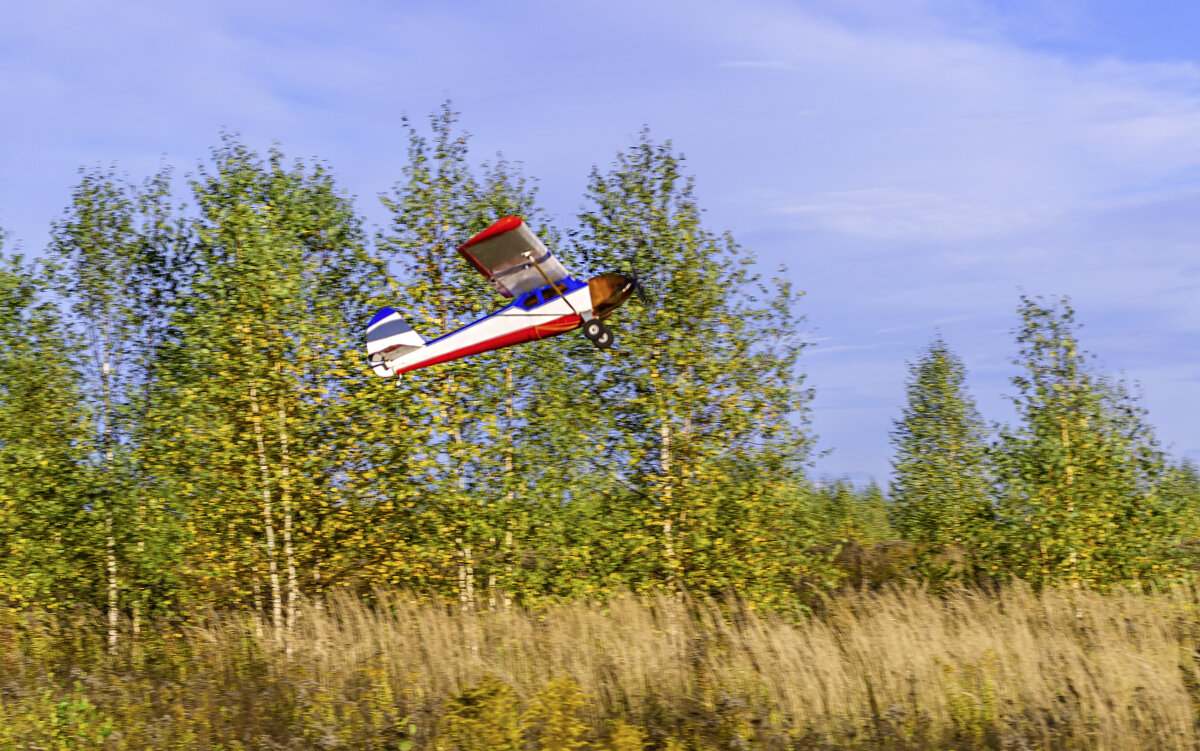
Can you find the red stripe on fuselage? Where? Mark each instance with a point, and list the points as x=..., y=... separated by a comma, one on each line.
x=528, y=334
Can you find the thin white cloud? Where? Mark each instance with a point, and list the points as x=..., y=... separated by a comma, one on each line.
x=762, y=64
x=819, y=350
x=938, y=172
x=925, y=326
x=899, y=214
x=960, y=137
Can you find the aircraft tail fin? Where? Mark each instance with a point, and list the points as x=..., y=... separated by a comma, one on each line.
x=389, y=338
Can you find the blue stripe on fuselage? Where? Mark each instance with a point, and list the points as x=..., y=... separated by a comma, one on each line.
x=569, y=283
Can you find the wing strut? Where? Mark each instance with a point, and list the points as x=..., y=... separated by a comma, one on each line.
x=529, y=254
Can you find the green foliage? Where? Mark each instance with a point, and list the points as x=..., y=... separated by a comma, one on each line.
x=940, y=488
x=454, y=435
x=54, y=723
x=971, y=699
x=1081, y=480
x=248, y=420
x=841, y=512
x=700, y=405
x=48, y=531
x=116, y=255
x=622, y=736
x=485, y=717
x=1182, y=493
x=554, y=717
x=530, y=466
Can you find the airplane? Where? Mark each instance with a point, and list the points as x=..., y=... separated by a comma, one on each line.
x=546, y=301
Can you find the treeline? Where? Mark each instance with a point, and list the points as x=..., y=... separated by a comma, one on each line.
x=187, y=420
x=1078, y=492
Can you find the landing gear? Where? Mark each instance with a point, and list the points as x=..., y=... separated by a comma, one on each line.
x=598, y=333
x=604, y=339
x=593, y=328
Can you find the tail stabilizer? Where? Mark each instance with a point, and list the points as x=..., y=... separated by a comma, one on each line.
x=389, y=338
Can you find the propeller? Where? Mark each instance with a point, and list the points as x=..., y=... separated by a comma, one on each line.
x=635, y=277
x=639, y=290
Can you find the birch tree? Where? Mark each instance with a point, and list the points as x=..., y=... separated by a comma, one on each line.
x=50, y=542
x=704, y=404
x=1081, y=477
x=258, y=371
x=466, y=462
x=114, y=261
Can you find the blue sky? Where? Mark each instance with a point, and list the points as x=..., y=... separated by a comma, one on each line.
x=916, y=164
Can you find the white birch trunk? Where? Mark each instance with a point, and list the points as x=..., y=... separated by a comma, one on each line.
x=664, y=465
x=1072, y=560
x=258, y=605
x=268, y=518
x=508, y=482
x=285, y=496
x=110, y=536
x=466, y=569
x=466, y=577
x=110, y=542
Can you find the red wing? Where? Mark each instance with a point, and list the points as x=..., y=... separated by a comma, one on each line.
x=506, y=253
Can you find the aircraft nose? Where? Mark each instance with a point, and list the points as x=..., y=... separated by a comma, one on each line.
x=608, y=291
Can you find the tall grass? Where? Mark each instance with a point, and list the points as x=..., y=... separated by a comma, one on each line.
x=898, y=669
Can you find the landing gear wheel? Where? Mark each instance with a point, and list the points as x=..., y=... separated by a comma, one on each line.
x=604, y=339
x=593, y=328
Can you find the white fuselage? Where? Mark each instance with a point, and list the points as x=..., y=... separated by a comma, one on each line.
x=518, y=322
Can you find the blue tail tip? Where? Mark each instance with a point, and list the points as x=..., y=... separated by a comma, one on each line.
x=383, y=313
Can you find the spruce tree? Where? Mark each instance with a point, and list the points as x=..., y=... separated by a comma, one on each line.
x=1183, y=494
x=939, y=490
x=844, y=513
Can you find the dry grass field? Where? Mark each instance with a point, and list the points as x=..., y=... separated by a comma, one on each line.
x=896, y=670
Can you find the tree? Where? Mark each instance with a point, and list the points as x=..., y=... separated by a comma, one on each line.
x=48, y=534
x=475, y=484
x=940, y=490
x=699, y=410
x=434, y=207
x=259, y=385
x=1183, y=493
x=116, y=252
x=843, y=513
x=1080, y=480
